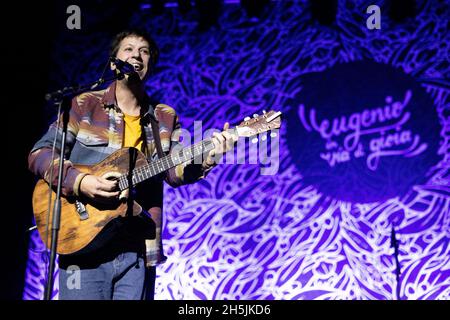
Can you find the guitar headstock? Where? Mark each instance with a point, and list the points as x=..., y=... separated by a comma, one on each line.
x=259, y=124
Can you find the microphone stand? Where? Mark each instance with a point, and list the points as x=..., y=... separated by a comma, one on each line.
x=62, y=98
x=394, y=244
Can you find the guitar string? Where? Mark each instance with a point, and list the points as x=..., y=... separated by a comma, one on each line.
x=164, y=163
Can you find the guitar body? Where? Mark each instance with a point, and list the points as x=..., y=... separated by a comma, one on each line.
x=78, y=229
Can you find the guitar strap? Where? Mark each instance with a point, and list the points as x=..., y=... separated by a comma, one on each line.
x=149, y=116
x=155, y=130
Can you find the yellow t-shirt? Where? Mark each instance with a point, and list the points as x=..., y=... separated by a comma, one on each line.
x=133, y=132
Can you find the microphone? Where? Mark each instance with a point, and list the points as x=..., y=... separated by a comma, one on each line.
x=122, y=66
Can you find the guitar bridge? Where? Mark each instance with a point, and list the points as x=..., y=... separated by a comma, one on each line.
x=81, y=210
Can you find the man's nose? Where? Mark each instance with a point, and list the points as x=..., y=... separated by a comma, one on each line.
x=136, y=53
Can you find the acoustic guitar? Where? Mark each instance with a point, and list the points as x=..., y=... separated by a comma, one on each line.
x=82, y=220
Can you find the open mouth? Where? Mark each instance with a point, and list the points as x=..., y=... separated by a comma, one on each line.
x=137, y=66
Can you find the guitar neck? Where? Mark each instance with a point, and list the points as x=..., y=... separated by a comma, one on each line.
x=165, y=163
x=249, y=127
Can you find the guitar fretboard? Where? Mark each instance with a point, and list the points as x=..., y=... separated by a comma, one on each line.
x=165, y=163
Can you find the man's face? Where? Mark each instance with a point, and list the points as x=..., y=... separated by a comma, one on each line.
x=135, y=50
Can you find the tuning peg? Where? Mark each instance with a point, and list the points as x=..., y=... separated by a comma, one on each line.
x=247, y=118
x=255, y=115
x=264, y=112
x=273, y=134
x=254, y=140
x=263, y=137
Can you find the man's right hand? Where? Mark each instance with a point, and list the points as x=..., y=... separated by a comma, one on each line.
x=99, y=189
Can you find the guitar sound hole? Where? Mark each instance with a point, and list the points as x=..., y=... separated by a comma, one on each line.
x=107, y=206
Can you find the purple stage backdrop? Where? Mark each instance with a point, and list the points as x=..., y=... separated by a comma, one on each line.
x=364, y=150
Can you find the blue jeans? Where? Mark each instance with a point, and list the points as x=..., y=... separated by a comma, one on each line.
x=124, y=277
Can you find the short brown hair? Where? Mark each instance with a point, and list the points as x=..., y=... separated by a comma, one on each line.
x=153, y=47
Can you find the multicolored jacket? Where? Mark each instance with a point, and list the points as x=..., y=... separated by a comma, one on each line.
x=95, y=130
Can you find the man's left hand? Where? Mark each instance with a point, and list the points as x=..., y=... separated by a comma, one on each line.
x=223, y=142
